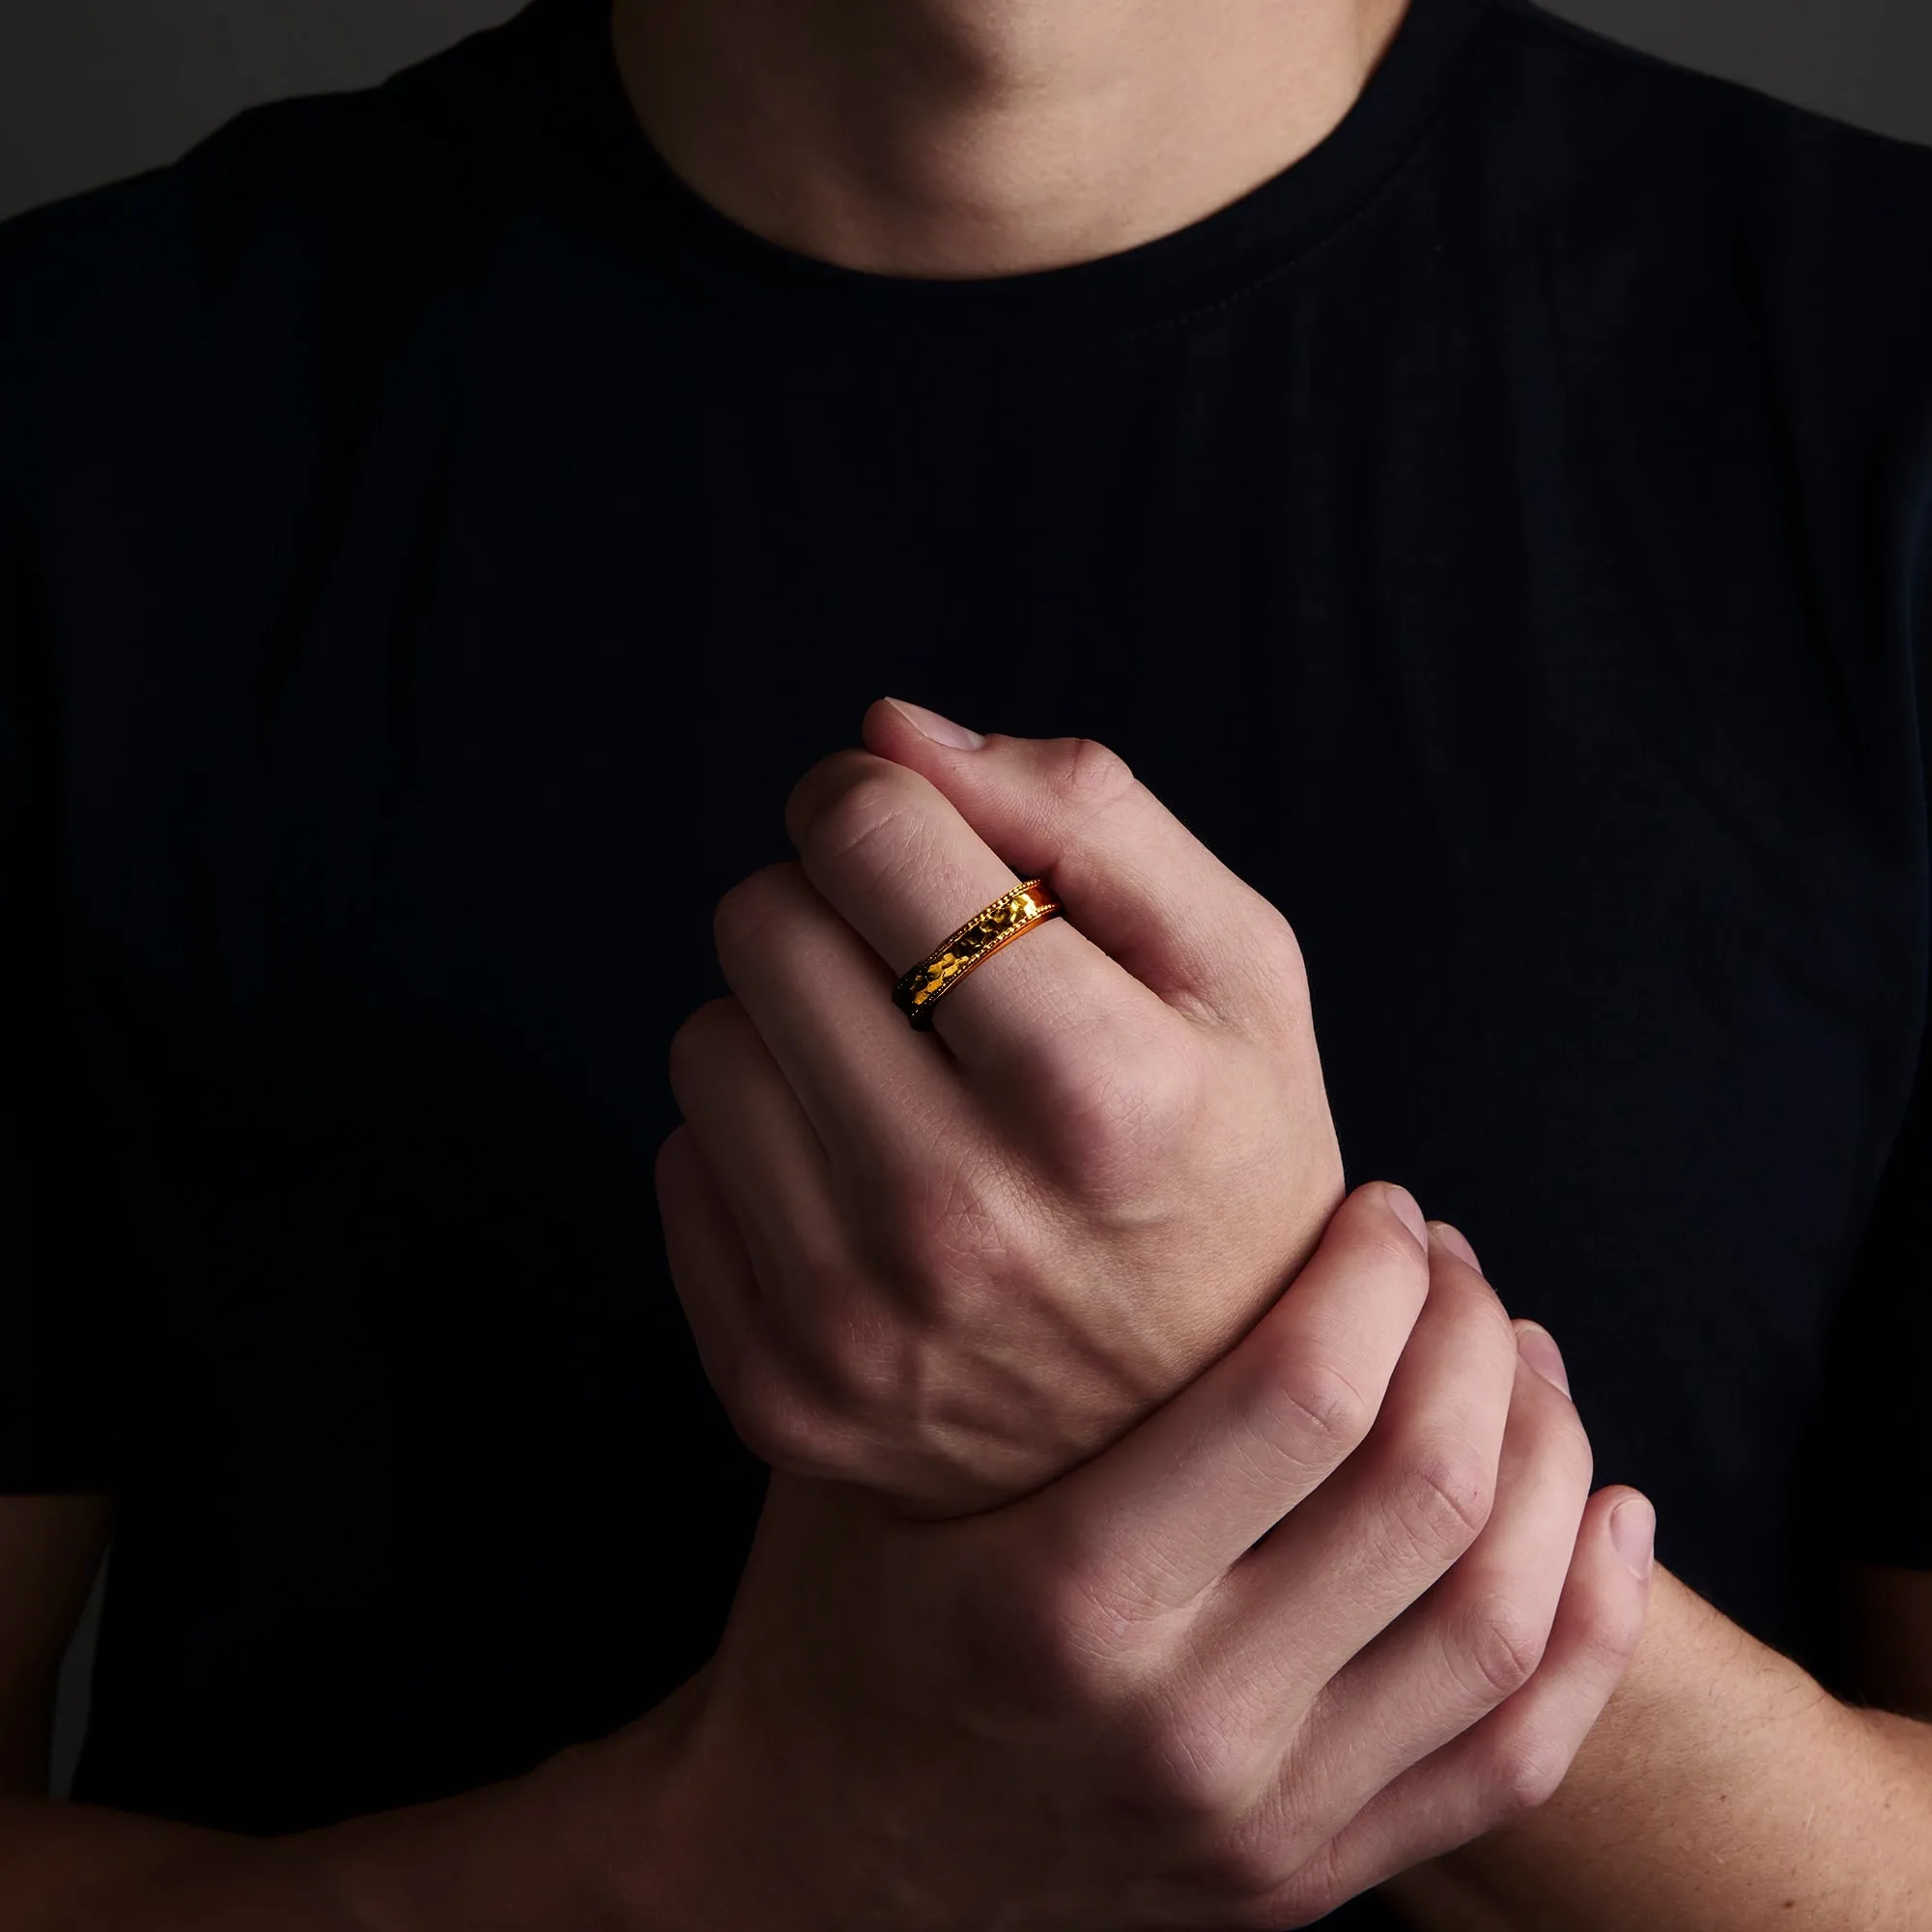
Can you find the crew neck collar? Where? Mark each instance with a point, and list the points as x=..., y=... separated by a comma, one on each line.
x=1209, y=262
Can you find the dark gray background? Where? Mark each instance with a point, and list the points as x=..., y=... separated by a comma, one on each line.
x=92, y=90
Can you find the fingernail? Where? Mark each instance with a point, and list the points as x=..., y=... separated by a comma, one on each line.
x=1633, y=1531
x=1452, y=1240
x=1537, y=1345
x=1402, y=1204
x=941, y=730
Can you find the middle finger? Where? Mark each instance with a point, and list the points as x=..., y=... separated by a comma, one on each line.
x=890, y=853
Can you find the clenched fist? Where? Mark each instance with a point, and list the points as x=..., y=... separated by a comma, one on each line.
x=948, y=1267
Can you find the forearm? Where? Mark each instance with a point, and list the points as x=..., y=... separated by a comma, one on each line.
x=70, y=1866
x=578, y=1842
x=1722, y=1789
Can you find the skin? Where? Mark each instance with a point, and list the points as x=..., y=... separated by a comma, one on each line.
x=1742, y=1788
x=1127, y=1107
x=905, y=1257
x=1267, y=1672
x=961, y=138
x=1320, y=1597
x=1721, y=1789
x=1141, y=1598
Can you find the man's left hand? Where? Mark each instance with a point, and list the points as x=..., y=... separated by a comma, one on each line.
x=951, y=1266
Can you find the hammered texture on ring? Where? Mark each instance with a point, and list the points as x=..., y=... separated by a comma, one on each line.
x=982, y=935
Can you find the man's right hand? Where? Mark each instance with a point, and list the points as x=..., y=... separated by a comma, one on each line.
x=1247, y=1662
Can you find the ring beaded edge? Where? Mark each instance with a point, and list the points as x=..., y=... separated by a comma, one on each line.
x=918, y=993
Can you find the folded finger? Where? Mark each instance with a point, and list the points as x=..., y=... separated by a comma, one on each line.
x=1518, y=1756
x=710, y=1266
x=820, y=999
x=894, y=859
x=758, y=1146
x=1142, y=886
x=1407, y=1505
x=1479, y=1635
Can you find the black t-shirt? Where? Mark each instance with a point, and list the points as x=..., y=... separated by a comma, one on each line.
x=434, y=541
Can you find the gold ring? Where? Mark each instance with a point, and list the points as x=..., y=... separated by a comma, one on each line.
x=977, y=941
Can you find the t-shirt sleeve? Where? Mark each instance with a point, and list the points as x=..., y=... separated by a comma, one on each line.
x=1875, y=1436
x=60, y=1410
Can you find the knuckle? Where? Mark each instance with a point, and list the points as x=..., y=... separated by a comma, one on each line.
x=1320, y=1886
x=782, y=1425
x=1309, y=1404
x=1487, y=1309
x=1388, y=1248
x=1057, y=1637
x=1260, y=1872
x=1086, y=1098
x=820, y=785
x=1200, y=1772
x=697, y=1038
x=1444, y=1493
x=1244, y=1873
x=1571, y=1445
x=1490, y=1341
x=869, y=813
x=1385, y=1244
x=1501, y=1644
x=1091, y=775
x=1067, y=1634
x=1601, y=1631
x=1482, y=1355
x=773, y=1430
x=1524, y=1769
x=1266, y=962
x=791, y=1416
x=931, y=1230
x=1112, y=1113
x=1554, y=1429
x=745, y=911
x=1275, y=949
x=864, y=1367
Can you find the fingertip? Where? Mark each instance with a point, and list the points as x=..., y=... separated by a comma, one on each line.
x=1632, y=1531
x=1456, y=1241
x=1402, y=1204
x=892, y=725
x=884, y=725
x=1374, y=1202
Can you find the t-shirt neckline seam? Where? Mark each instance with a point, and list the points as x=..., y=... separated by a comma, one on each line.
x=719, y=260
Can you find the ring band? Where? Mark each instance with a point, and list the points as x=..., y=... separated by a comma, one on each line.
x=982, y=935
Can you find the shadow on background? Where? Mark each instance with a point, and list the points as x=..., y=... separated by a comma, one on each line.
x=93, y=90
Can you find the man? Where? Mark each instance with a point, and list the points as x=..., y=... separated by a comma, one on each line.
x=1476, y=477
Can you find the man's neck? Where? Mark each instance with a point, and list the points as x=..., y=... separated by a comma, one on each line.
x=968, y=138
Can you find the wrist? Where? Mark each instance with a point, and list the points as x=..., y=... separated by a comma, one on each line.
x=738, y=1844
x=584, y=1839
